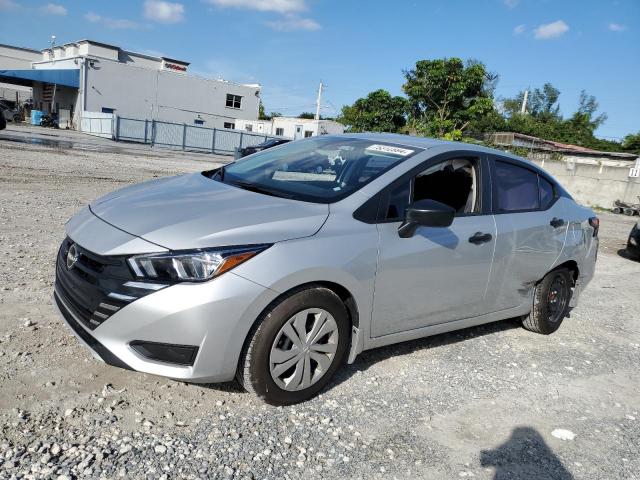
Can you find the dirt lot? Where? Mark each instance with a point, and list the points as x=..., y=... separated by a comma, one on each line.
x=488, y=402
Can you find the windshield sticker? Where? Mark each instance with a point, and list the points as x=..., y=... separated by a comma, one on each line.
x=403, y=152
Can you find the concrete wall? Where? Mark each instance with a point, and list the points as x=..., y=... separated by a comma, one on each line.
x=143, y=93
x=593, y=182
x=12, y=58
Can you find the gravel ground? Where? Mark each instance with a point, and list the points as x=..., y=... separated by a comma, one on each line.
x=489, y=402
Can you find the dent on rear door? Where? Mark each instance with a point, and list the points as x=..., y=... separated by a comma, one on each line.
x=527, y=247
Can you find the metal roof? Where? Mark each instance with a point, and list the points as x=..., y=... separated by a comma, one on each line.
x=66, y=77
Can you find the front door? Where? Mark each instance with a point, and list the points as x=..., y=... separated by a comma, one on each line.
x=298, y=132
x=441, y=273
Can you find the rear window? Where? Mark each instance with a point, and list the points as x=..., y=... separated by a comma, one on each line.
x=517, y=188
x=547, y=194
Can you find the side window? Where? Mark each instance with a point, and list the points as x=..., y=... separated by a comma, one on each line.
x=516, y=187
x=399, y=199
x=452, y=182
x=547, y=194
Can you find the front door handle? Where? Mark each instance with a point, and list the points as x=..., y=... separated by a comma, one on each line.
x=556, y=222
x=480, y=237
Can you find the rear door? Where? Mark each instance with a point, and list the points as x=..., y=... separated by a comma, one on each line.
x=531, y=231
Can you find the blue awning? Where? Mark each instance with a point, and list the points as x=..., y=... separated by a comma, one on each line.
x=67, y=77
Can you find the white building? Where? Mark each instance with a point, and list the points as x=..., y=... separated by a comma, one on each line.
x=290, y=127
x=88, y=76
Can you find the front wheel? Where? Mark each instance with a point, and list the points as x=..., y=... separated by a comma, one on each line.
x=550, y=302
x=296, y=347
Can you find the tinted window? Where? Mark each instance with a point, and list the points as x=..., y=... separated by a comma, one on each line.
x=546, y=193
x=517, y=188
x=398, y=201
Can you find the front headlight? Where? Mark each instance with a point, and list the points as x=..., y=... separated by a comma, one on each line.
x=192, y=266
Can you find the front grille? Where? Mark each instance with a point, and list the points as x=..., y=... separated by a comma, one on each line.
x=94, y=287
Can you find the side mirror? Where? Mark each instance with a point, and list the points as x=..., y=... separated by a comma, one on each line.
x=425, y=213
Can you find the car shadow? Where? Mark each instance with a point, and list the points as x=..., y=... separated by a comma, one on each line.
x=624, y=253
x=525, y=456
x=369, y=358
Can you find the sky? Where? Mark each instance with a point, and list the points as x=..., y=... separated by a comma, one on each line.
x=357, y=46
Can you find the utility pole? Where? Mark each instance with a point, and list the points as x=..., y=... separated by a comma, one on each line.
x=523, y=109
x=317, y=117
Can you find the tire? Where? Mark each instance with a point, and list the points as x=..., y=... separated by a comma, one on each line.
x=617, y=210
x=550, y=302
x=270, y=341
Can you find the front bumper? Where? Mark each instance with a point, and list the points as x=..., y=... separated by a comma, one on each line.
x=213, y=317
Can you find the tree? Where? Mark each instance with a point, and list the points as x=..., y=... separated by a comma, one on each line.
x=377, y=112
x=541, y=104
x=445, y=96
x=631, y=143
x=261, y=114
x=307, y=115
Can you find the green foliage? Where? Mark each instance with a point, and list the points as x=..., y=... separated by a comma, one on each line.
x=631, y=143
x=261, y=114
x=543, y=119
x=377, y=112
x=446, y=96
x=307, y=115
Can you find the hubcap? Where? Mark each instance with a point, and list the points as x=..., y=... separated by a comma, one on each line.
x=303, y=349
x=557, y=298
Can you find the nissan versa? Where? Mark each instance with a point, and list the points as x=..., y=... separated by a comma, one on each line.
x=280, y=267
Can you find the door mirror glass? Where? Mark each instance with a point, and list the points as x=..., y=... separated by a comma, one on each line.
x=425, y=213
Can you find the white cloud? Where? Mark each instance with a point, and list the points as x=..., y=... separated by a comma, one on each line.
x=519, y=29
x=113, y=23
x=616, y=27
x=281, y=6
x=511, y=3
x=163, y=12
x=547, y=31
x=53, y=9
x=293, y=22
x=8, y=5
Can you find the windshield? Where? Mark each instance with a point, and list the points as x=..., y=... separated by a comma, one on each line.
x=319, y=169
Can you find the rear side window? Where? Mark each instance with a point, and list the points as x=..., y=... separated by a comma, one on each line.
x=516, y=187
x=547, y=194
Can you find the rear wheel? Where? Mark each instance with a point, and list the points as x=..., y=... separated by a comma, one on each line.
x=296, y=348
x=550, y=302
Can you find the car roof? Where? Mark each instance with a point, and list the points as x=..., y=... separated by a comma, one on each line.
x=427, y=142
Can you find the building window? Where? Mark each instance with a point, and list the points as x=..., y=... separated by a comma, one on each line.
x=108, y=110
x=234, y=101
x=248, y=128
x=197, y=121
x=229, y=125
x=308, y=133
x=280, y=132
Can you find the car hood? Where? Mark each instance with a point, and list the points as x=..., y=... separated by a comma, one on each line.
x=193, y=211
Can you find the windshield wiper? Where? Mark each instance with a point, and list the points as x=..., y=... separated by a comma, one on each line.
x=259, y=189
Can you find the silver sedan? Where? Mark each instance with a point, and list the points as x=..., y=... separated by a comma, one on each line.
x=280, y=267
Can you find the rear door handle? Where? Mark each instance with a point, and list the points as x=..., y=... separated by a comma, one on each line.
x=480, y=237
x=556, y=222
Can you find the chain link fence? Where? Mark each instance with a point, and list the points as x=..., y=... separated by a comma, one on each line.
x=185, y=137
